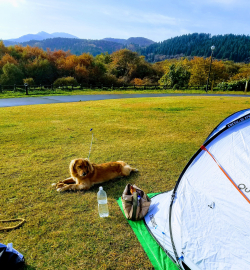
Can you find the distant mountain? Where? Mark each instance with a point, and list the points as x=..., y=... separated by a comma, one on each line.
x=78, y=46
x=227, y=47
x=141, y=41
x=75, y=45
x=40, y=36
x=9, y=43
x=118, y=40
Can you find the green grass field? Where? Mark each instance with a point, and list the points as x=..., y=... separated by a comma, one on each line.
x=63, y=230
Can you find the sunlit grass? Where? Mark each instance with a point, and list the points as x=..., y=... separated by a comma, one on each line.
x=62, y=230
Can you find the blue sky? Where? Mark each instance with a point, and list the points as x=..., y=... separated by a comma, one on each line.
x=96, y=19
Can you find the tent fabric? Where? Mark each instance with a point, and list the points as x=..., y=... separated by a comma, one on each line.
x=10, y=258
x=157, y=221
x=209, y=217
x=156, y=254
x=229, y=119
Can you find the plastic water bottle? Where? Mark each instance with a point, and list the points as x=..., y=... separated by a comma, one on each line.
x=102, y=203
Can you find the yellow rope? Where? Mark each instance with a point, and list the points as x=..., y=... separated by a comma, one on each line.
x=13, y=227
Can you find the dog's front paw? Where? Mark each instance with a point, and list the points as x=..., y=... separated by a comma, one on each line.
x=53, y=185
x=59, y=190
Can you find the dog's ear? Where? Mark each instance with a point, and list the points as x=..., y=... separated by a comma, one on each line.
x=90, y=167
x=72, y=167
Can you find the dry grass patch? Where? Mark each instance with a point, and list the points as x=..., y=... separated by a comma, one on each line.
x=63, y=231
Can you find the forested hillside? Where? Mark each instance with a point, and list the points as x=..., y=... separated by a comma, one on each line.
x=141, y=41
x=76, y=46
x=227, y=47
x=79, y=46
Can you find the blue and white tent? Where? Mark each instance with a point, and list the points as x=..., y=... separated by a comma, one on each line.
x=204, y=223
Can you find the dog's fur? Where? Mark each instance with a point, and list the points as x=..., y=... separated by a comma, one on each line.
x=85, y=174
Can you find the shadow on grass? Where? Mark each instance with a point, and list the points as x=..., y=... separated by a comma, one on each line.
x=27, y=267
x=114, y=188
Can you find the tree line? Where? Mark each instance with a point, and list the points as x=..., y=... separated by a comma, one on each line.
x=226, y=75
x=227, y=47
x=19, y=63
x=32, y=65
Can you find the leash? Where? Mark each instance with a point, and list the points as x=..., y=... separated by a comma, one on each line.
x=13, y=227
x=91, y=142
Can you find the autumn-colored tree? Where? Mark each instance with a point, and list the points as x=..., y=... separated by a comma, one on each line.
x=232, y=68
x=85, y=63
x=127, y=65
x=82, y=74
x=30, y=53
x=137, y=81
x=85, y=60
x=122, y=62
x=120, y=67
x=141, y=69
x=57, y=54
x=16, y=52
x=3, y=49
x=219, y=72
x=7, y=59
x=159, y=71
x=177, y=76
x=199, y=71
x=165, y=65
x=66, y=66
x=243, y=73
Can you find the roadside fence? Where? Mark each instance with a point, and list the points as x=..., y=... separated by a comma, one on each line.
x=43, y=88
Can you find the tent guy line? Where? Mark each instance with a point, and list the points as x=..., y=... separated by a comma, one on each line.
x=228, y=177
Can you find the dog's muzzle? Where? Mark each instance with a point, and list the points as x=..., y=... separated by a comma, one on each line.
x=84, y=174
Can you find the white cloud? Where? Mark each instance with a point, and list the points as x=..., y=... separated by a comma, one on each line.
x=14, y=3
x=135, y=16
x=152, y=18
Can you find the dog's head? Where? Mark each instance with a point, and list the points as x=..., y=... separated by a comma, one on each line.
x=80, y=167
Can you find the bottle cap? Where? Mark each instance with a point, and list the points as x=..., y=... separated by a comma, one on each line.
x=100, y=188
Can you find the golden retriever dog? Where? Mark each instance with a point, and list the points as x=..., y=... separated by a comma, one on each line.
x=85, y=174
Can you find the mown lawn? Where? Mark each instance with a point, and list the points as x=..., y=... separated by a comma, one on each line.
x=63, y=230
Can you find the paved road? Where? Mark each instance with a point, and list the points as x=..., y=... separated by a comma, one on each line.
x=10, y=102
